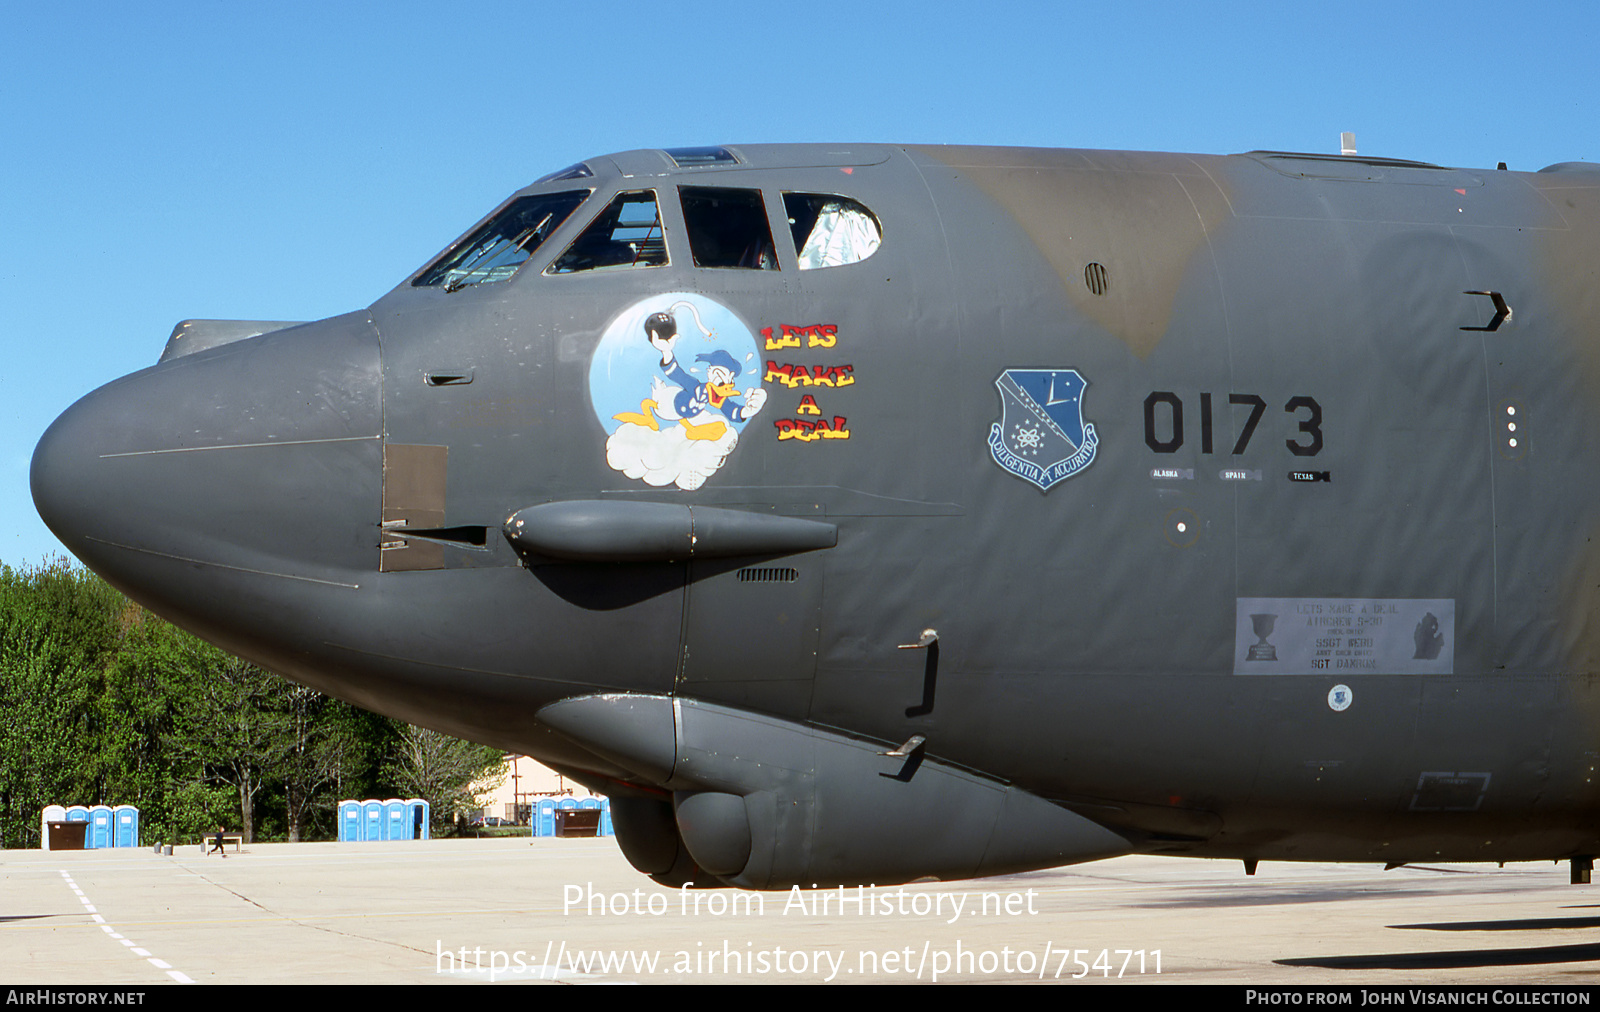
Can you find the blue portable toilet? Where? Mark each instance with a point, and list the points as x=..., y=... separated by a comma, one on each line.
x=125, y=832
x=395, y=824
x=605, y=818
x=544, y=819
x=417, y=818
x=372, y=820
x=99, y=837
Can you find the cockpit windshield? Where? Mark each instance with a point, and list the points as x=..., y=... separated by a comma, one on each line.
x=504, y=243
x=626, y=234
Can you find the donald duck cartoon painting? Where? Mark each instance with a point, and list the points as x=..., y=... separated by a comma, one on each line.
x=689, y=423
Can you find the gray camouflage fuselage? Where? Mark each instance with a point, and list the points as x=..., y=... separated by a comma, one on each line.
x=1300, y=398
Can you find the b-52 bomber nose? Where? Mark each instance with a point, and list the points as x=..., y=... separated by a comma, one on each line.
x=208, y=484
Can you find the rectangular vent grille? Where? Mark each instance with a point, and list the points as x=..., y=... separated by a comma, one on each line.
x=768, y=575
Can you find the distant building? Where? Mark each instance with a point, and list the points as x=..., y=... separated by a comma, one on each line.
x=522, y=782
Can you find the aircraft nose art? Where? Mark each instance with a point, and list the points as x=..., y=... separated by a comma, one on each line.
x=199, y=484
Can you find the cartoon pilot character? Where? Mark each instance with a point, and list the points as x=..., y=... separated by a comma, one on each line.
x=692, y=402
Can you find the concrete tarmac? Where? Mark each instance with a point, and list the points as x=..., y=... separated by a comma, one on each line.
x=573, y=911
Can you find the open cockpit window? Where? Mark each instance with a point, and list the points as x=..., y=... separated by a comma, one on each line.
x=830, y=231
x=695, y=158
x=728, y=228
x=504, y=243
x=626, y=234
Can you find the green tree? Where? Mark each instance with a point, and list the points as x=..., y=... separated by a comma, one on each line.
x=236, y=724
x=106, y=703
x=440, y=769
x=331, y=751
x=58, y=626
x=150, y=683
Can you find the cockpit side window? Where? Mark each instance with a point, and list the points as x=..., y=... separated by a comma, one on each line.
x=728, y=228
x=626, y=234
x=830, y=231
x=504, y=243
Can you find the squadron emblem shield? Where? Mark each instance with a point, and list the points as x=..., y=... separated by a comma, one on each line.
x=1041, y=436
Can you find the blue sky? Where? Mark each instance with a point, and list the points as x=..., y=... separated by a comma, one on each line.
x=161, y=161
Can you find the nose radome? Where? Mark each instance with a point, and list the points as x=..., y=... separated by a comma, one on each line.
x=259, y=456
x=62, y=473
